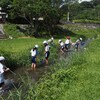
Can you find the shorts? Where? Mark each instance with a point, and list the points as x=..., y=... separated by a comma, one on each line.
x=47, y=54
x=76, y=45
x=67, y=46
x=62, y=47
x=1, y=84
x=34, y=60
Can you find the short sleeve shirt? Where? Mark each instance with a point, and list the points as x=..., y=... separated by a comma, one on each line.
x=1, y=73
x=33, y=53
x=47, y=48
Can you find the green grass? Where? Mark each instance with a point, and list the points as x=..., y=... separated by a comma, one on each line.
x=11, y=30
x=17, y=51
x=87, y=21
x=76, y=78
x=77, y=81
x=81, y=31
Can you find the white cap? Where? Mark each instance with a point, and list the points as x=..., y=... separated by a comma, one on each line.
x=44, y=42
x=36, y=46
x=81, y=39
x=59, y=41
x=2, y=58
x=52, y=38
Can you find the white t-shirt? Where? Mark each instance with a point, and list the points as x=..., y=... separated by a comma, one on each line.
x=77, y=41
x=33, y=53
x=47, y=48
x=1, y=73
x=49, y=40
x=67, y=41
x=61, y=44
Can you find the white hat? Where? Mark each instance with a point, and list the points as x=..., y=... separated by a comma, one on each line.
x=81, y=39
x=44, y=42
x=2, y=58
x=52, y=38
x=59, y=41
x=36, y=46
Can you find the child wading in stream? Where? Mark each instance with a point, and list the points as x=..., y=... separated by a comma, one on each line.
x=68, y=43
x=34, y=53
x=2, y=70
x=47, y=51
x=61, y=46
x=77, y=43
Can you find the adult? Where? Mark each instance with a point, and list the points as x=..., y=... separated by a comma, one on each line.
x=2, y=70
x=46, y=51
x=34, y=53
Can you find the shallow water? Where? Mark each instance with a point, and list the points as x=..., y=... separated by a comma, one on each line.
x=40, y=70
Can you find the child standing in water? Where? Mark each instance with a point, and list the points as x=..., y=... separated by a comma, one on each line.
x=2, y=70
x=68, y=43
x=61, y=45
x=47, y=51
x=34, y=53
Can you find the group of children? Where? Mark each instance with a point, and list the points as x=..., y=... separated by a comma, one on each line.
x=34, y=52
x=63, y=47
x=68, y=43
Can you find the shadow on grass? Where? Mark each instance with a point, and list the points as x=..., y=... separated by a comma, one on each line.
x=62, y=33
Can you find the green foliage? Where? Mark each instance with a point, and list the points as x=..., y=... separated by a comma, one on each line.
x=86, y=21
x=81, y=30
x=72, y=81
x=11, y=30
x=5, y=3
x=77, y=80
x=71, y=77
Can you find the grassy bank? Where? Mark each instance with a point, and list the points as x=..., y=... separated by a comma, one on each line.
x=76, y=78
x=73, y=79
x=17, y=51
x=87, y=21
x=12, y=30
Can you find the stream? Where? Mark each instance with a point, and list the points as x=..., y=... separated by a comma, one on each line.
x=39, y=71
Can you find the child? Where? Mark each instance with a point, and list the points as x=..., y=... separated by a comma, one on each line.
x=34, y=53
x=68, y=43
x=2, y=70
x=47, y=51
x=77, y=44
x=61, y=46
x=50, y=41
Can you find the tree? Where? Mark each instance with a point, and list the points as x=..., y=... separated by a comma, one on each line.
x=66, y=6
x=29, y=9
x=5, y=3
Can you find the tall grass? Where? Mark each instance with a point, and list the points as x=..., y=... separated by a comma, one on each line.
x=73, y=78
x=76, y=78
x=12, y=30
x=17, y=51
